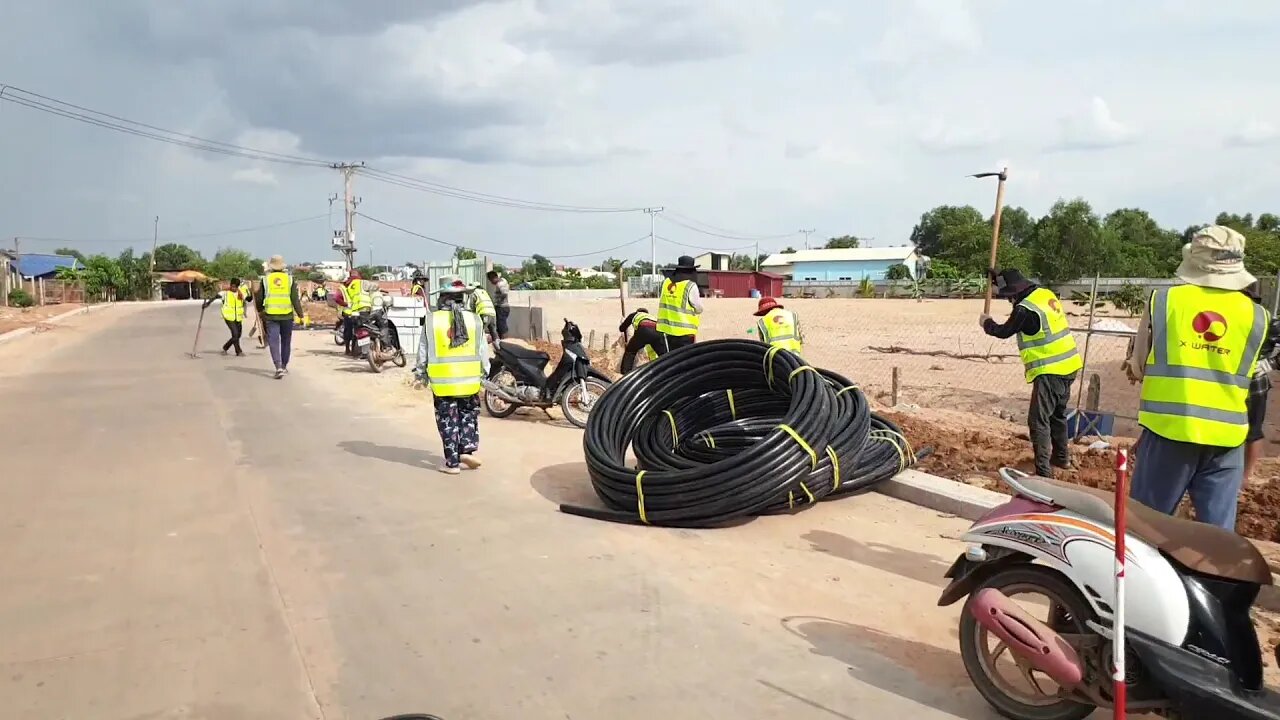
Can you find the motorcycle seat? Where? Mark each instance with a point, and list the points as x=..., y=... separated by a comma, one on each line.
x=1200, y=547
x=522, y=352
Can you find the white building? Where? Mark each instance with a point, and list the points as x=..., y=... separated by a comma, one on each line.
x=334, y=270
x=841, y=265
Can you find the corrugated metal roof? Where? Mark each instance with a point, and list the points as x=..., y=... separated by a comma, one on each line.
x=840, y=255
x=33, y=265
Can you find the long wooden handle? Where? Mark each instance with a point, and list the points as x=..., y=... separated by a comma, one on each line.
x=995, y=237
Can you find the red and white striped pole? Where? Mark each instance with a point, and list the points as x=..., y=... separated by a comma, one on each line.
x=1117, y=646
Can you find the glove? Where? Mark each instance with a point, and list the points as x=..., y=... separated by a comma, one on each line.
x=982, y=320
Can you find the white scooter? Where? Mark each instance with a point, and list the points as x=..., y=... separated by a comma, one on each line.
x=1191, y=651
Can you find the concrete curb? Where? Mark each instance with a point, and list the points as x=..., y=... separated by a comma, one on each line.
x=941, y=494
x=20, y=332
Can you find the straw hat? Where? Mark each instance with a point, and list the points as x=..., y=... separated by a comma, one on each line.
x=276, y=263
x=1215, y=258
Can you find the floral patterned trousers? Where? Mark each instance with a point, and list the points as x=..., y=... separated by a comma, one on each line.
x=458, y=420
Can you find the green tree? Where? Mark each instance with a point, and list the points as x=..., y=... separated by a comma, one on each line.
x=1267, y=222
x=943, y=270
x=842, y=242
x=68, y=273
x=172, y=257
x=1069, y=243
x=1017, y=226
x=462, y=253
x=1137, y=246
x=71, y=252
x=317, y=277
x=540, y=266
x=897, y=271
x=136, y=271
x=939, y=226
x=104, y=278
x=230, y=263
x=367, y=271
x=1232, y=220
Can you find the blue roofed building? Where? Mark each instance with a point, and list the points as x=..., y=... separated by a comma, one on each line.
x=33, y=266
x=841, y=265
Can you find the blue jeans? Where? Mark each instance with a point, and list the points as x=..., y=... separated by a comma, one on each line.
x=279, y=339
x=1165, y=470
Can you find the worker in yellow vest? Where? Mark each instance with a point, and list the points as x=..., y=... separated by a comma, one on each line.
x=358, y=300
x=453, y=358
x=1195, y=351
x=680, y=306
x=778, y=326
x=481, y=304
x=232, y=313
x=1050, y=360
x=644, y=338
x=278, y=303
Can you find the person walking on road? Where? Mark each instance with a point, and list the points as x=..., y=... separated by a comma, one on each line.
x=233, y=301
x=452, y=359
x=644, y=338
x=1195, y=352
x=1050, y=360
x=680, y=306
x=278, y=303
x=501, y=301
x=778, y=326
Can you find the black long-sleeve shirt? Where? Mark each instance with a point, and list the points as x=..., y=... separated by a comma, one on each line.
x=1021, y=320
x=626, y=322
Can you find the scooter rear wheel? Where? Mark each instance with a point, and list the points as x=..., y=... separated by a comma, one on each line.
x=496, y=406
x=1068, y=612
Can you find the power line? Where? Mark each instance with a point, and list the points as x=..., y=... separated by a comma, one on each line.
x=436, y=188
x=71, y=111
x=703, y=247
x=482, y=251
x=172, y=238
x=726, y=235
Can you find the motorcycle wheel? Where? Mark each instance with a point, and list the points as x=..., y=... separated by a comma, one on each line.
x=579, y=398
x=399, y=359
x=1031, y=695
x=338, y=338
x=496, y=406
x=374, y=355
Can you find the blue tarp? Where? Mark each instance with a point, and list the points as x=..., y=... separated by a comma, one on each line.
x=34, y=265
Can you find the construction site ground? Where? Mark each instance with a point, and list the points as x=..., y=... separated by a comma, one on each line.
x=12, y=318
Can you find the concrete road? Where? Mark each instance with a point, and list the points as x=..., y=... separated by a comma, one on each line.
x=185, y=538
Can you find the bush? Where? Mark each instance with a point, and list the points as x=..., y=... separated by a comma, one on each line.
x=866, y=288
x=1129, y=298
x=21, y=298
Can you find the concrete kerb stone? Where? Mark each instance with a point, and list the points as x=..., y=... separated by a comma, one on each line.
x=941, y=494
x=20, y=332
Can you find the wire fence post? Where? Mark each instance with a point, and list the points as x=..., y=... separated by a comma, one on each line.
x=1088, y=335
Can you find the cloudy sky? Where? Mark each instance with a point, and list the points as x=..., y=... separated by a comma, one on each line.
x=758, y=117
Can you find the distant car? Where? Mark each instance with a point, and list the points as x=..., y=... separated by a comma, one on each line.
x=523, y=286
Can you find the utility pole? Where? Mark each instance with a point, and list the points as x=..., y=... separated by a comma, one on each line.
x=155, y=241
x=653, y=242
x=807, y=233
x=349, y=201
x=757, y=256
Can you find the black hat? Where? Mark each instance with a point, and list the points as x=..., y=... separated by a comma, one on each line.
x=1009, y=282
x=684, y=262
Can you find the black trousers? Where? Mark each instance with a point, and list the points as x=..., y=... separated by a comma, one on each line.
x=236, y=327
x=640, y=337
x=504, y=312
x=673, y=342
x=349, y=332
x=1047, y=421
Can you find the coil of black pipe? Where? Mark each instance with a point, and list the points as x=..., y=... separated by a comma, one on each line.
x=726, y=429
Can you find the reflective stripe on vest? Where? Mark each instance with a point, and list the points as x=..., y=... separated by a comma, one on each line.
x=483, y=303
x=642, y=317
x=778, y=328
x=357, y=298
x=1052, y=350
x=232, y=306
x=453, y=372
x=650, y=353
x=1204, y=348
x=676, y=315
x=276, y=294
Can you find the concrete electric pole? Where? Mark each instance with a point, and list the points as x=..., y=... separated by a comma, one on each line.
x=806, y=234
x=350, y=201
x=653, y=242
x=155, y=241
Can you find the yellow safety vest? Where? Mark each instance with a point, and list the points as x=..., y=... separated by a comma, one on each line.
x=276, y=289
x=232, y=306
x=416, y=290
x=453, y=372
x=641, y=317
x=357, y=298
x=1052, y=350
x=676, y=315
x=1204, y=347
x=246, y=291
x=483, y=303
x=778, y=328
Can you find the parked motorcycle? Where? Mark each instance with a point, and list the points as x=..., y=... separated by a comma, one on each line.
x=1191, y=650
x=517, y=379
x=378, y=339
x=339, y=338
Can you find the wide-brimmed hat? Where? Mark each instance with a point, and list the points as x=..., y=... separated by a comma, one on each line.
x=766, y=304
x=684, y=262
x=451, y=284
x=1215, y=258
x=1009, y=282
x=276, y=263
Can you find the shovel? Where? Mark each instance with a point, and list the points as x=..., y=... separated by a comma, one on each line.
x=200, y=323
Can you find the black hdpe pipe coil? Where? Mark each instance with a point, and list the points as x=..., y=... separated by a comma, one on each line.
x=726, y=429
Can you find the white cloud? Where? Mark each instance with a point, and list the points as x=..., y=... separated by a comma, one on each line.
x=1255, y=132
x=254, y=176
x=944, y=137
x=1094, y=129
